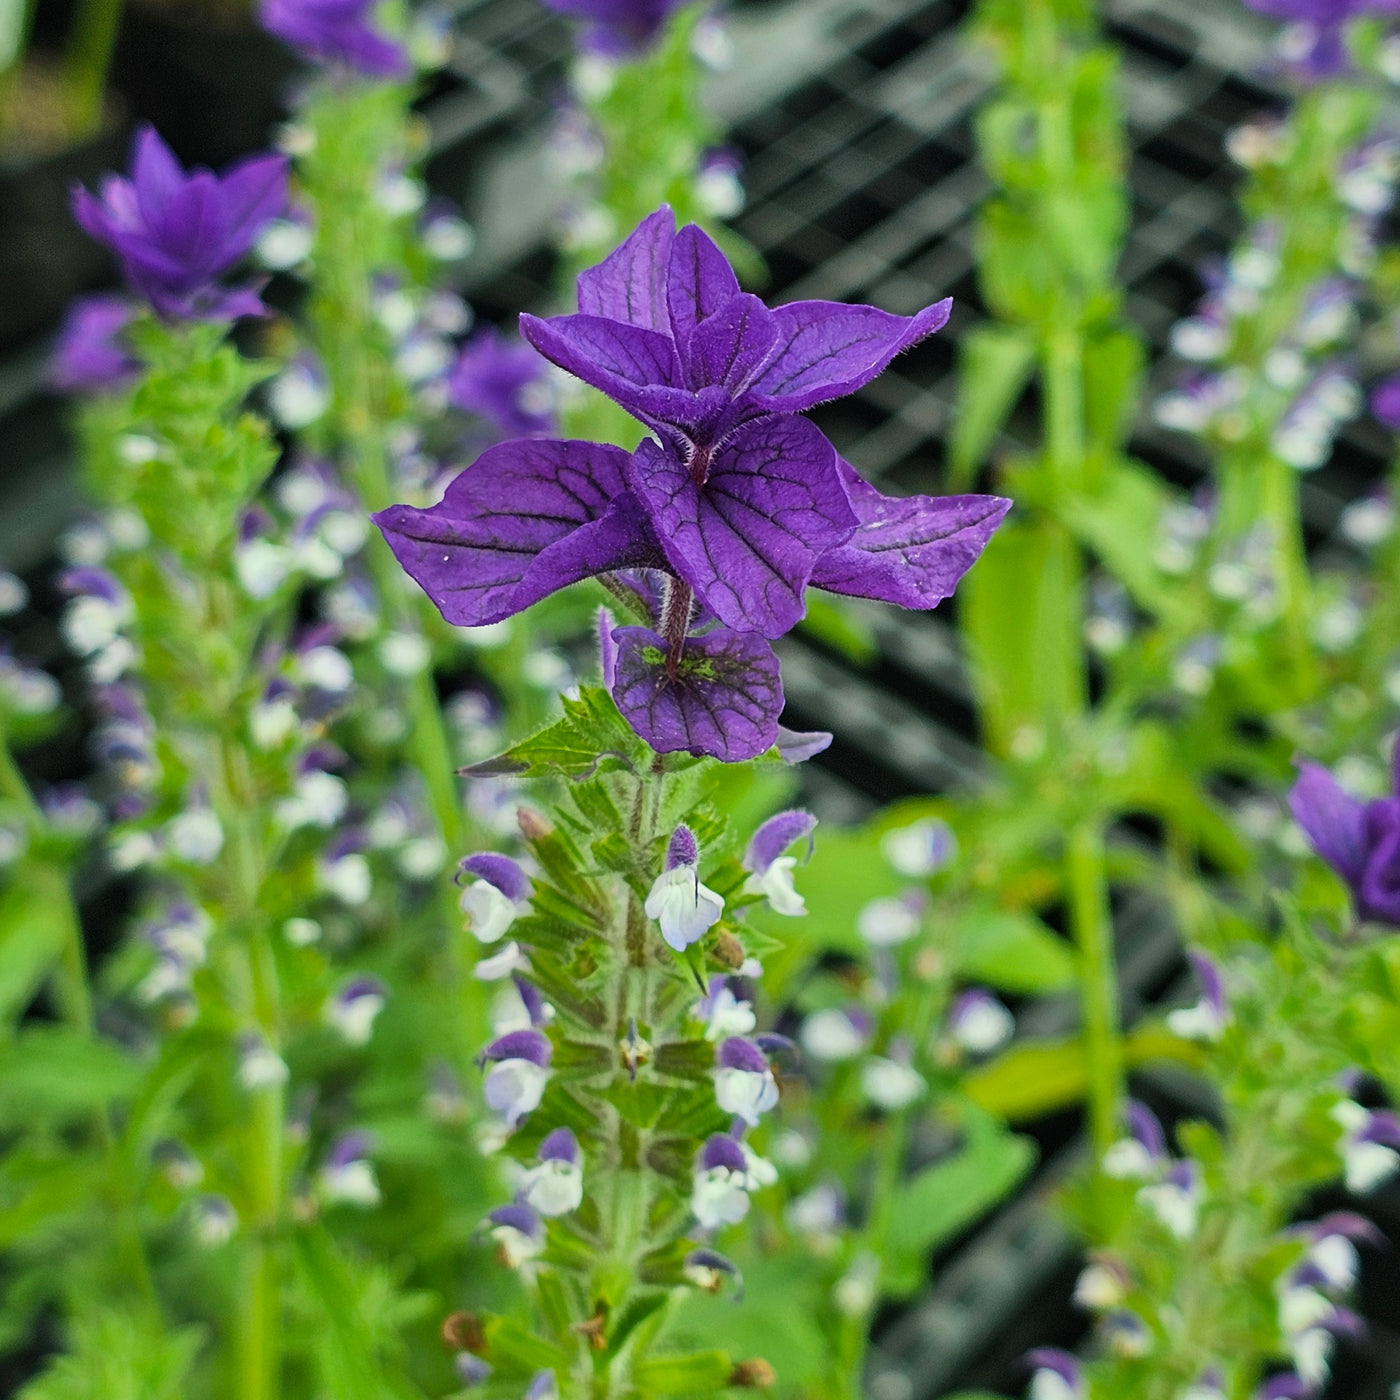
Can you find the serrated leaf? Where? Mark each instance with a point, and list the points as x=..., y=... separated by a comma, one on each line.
x=590, y=738
x=115, y=1358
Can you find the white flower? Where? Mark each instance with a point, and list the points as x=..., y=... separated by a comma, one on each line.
x=297, y=397
x=273, y=722
x=404, y=653
x=260, y=1066
x=498, y=965
x=196, y=836
x=889, y=1085
x=490, y=911
x=554, y=1187
x=347, y=878
x=883, y=923
x=283, y=244
x=350, y=1183
x=301, y=933
x=1129, y=1160
x=683, y=907
x=724, y=1015
x=747, y=1094
x=262, y=567
x=515, y=1088
x=719, y=1197
x=326, y=668
x=831, y=1035
x=1175, y=1206
x=775, y=885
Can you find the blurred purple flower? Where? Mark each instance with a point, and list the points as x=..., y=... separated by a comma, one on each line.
x=1359, y=840
x=175, y=232
x=617, y=28
x=87, y=355
x=335, y=31
x=504, y=383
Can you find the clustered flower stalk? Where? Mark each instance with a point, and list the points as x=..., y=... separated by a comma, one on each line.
x=1050, y=238
x=177, y=451
x=356, y=175
x=634, y=1121
x=1203, y=1277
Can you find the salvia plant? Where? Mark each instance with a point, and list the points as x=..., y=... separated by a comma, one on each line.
x=480, y=1007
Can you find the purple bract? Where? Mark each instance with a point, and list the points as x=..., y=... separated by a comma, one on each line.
x=335, y=31
x=1359, y=840
x=87, y=354
x=717, y=526
x=617, y=28
x=503, y=383
x=175, y=233
x=664, y=329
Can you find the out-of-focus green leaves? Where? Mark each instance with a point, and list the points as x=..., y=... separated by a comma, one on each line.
x=944, y=1198
x=1012, y=950
x=1021, y=611
x=994, y=366
x=114, y=1357
x=1039, y=1076
x=35, y=923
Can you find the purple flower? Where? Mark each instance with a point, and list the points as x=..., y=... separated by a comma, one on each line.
x=1359, y=840
x=739, y=502
x=504, y=383
x=496, y=897
x=1057, y=1375
x=87, y=354
x=1385, y=403
x=744, y=1084
x=1211, y=1014
x=519, y=1071
x=617, y=28
x=771, y=870
x=1318, y=50
x=334, y=31
x=518, y=1232
x=555, y=1186
x=685, y=909
x=176, y=233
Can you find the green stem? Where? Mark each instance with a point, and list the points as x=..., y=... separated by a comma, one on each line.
x=1093, y=932
x=853, y=1337
x=91, y=42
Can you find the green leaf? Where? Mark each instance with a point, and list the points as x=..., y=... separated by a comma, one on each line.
x=1012, y=950
x=1022, y=609
x=36, y=920
x=946, y=1197
x=1118, y=520
x=55, y=1073
x=592, y=737
x=841, y=626
x=114, y=1358
x=1040, y=1076
x=700, y=1372
x=1113, y=365
x=994, y=366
